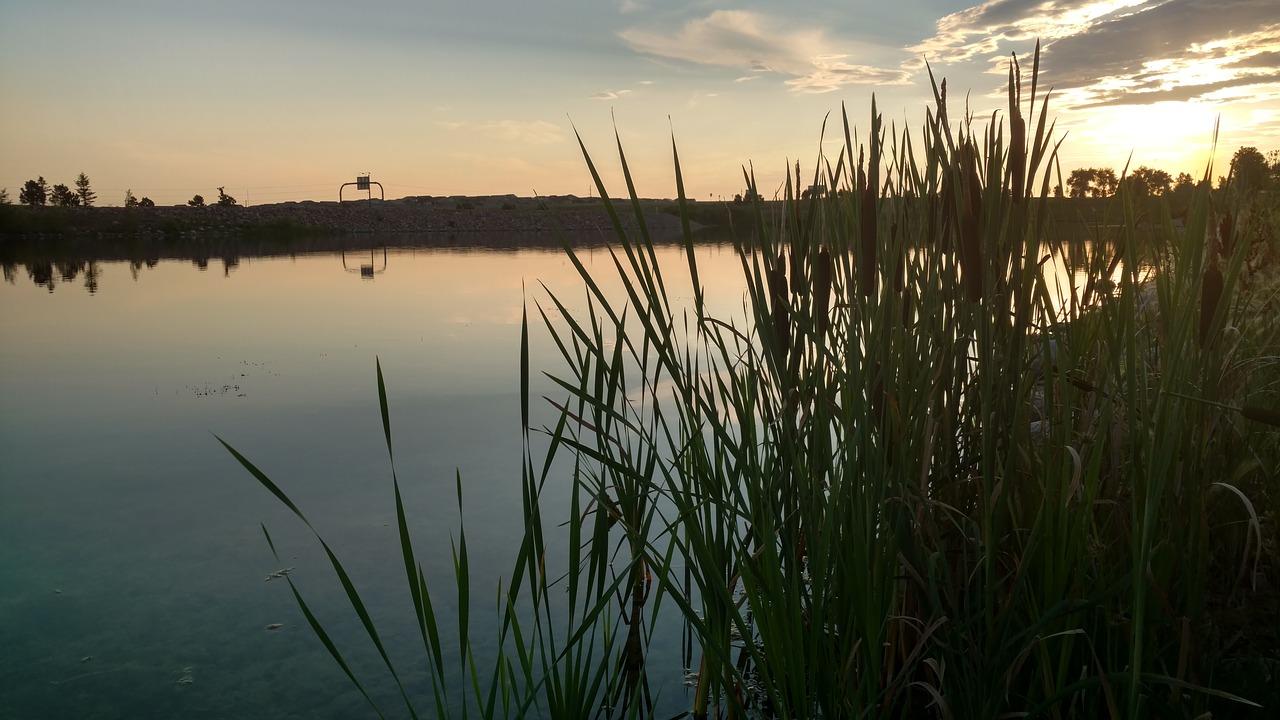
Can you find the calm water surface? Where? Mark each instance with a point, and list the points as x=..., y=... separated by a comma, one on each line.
x=132, y=560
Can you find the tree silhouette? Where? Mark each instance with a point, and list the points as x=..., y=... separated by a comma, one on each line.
x=4, y=196
x=130, y=200
x=1092, y=182
x=1183, y=187
x=196, y=201
x=1249, y=170
x=1148, y=181
x=146, y=202
x=1106, y=183
x=225, y=200
x=63, y=197
x=33, y=193
x=84, y=195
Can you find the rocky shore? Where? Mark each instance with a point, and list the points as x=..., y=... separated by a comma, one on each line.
x=408, y=215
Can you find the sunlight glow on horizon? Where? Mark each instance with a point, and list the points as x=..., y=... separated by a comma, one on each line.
x=288, y=101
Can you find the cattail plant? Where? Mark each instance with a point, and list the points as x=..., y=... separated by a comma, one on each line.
x=912, y=478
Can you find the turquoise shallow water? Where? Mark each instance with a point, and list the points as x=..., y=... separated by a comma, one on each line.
x=132, y=561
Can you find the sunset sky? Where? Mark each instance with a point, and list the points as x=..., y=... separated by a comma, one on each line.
x=285, y=100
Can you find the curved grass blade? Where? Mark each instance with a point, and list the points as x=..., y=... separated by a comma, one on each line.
x=319, y=630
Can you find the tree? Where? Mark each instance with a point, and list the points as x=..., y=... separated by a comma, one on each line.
x=63, y=197
x=1092, y=182
x=196, y=201
x=130, y=200
x=225, y=200
x=4, y=196
x=1183, y=189
x=33, y=193
x=1106, y=183
x=146, y=202
x=1249, y=170
x=83, y=193
x=1151, y=181
x=1078, y=182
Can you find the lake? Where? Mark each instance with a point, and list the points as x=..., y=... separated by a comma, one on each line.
x=133, y=567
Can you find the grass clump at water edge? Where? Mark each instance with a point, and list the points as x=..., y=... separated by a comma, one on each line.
x=915, y=477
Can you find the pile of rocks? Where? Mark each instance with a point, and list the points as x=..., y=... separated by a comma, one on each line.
x=410, y=215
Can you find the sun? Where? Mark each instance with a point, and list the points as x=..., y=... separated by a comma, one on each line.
x=1171, y=136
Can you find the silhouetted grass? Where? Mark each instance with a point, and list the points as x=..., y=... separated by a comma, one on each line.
x=915, y=477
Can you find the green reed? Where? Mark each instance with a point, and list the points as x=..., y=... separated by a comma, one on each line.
x=913, y=477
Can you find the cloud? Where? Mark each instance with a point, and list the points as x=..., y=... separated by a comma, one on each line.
x=831, y=72
x=1264, y=60
x=610, y=94
x=538, y=132
x=978, y=31
x=754, y=43
x=1122, y=52
x=1212, y=90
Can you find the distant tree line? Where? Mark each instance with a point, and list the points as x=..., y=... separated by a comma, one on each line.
x=1250, y=172
x=224, y=200
x=37, y=192
x=131, y=200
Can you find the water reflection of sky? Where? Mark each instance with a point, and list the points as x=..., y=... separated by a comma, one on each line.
x=129, y=536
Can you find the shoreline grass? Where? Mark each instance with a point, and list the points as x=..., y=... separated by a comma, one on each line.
x=910, y=479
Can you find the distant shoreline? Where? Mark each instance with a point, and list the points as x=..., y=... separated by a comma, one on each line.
x=451, y=215
x=443, y=217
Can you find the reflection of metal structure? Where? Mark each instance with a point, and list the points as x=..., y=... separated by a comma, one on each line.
x=367, y=271
x=364, y=183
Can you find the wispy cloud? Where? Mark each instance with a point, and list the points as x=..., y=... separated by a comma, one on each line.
x=755, y=43
x=537, y=132
x=1124, y=52
x=980, y=31
x=610, y=94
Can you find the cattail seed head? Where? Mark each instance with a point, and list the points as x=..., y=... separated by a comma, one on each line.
x=1210, y=297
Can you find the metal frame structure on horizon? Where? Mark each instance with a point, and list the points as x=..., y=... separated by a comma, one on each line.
x=364, y=183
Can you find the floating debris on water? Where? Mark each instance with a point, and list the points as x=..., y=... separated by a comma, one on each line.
x=279, y=573
x=188, y=676
x=86, y=658
x=275, y=626
x=208, y=390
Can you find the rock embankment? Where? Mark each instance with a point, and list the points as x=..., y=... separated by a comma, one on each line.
x=409, y=215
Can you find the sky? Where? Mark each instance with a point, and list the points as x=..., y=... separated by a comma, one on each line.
x=279, y=100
